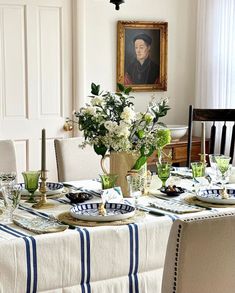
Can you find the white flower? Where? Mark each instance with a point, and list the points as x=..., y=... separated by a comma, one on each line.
x=123, y=129
x=109, y=121
x=97, y=101
x=128, y=114
x=110, y=125
x=164, y=100
x=138, y=115
x=89, y=110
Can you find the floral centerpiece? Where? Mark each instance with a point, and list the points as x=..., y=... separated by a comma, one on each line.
x=109, y=123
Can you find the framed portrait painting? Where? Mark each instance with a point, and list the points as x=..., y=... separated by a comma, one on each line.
x=142, y=55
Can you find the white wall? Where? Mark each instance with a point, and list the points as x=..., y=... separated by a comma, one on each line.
x=97, y=48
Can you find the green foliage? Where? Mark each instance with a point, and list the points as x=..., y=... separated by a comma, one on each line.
x=109, y=123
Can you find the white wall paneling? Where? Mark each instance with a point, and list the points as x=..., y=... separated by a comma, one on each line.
x=50, y=61
x=35, y=76
x=13, y=61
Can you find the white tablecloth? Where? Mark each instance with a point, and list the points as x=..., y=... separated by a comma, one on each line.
x=107, y=259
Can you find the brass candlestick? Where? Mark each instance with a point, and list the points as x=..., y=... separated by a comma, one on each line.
x=43, y=203
x=203, y=158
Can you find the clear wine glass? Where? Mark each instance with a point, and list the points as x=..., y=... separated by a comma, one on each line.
x=31, y=179
x=11, y=196
x=7, y=178
x=136, y=186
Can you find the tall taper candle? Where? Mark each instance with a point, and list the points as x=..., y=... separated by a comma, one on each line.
x=43, y=161
x=203, y=141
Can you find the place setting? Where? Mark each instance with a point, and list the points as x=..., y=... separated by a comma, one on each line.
x=109, y=210
x=199, y=190
x=213, y=186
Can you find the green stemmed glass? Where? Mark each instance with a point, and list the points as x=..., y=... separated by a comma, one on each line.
x=108, y=180
x=222, y=163
x=31, y=179
x=163, y=171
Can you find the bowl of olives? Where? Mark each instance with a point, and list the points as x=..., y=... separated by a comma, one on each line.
x=78, y=197
x=172, y=190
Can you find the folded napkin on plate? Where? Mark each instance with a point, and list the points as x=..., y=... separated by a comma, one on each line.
x=112, y=194
x=175, y=207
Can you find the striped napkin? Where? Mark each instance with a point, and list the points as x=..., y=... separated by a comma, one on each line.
x=175, y=207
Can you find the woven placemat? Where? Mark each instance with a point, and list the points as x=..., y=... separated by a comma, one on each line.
x=68, y=219
x=192, y=199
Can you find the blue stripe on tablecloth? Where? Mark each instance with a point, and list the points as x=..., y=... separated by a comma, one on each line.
x=12, y=231
x=28, y=265
x=136, y=258
x=31, y=264
x=62, y=201
x=88, y=260
x=131, y=258
x=82, y=259
x=33, y=212
x=35, y=269
x=173, y=217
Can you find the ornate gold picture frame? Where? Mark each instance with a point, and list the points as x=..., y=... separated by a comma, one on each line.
x=142, y=55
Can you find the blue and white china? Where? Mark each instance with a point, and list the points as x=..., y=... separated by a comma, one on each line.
x=52, y=188
x=114, y=212
x=216, y=195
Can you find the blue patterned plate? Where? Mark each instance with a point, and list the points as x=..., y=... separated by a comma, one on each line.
x=214, y=196
x=114, y=212
x=52, y=188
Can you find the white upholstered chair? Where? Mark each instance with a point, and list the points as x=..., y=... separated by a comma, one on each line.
x=7, y=156
x=75, y=163
x=200, y=255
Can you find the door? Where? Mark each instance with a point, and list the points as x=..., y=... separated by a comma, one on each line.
x=35, y=77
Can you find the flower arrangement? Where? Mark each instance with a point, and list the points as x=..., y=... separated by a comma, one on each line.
x=109, y=123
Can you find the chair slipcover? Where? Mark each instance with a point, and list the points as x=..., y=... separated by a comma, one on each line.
x=7, y=156
x=200, y=255
x=75, y=163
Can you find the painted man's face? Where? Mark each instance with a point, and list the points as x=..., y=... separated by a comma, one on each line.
x=141, y=50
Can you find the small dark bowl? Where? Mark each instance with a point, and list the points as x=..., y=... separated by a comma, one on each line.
x=173, y=190
x=78, y=197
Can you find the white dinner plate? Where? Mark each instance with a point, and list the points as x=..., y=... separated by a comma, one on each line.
x=214, y=196
x=52, y=188
x=114, y=212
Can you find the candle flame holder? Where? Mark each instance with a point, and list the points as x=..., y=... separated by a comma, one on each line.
x=43, y=203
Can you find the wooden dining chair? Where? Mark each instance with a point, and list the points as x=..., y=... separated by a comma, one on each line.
x=75, y=163
x=214, y=116
x=7, y=156
x=200, y=255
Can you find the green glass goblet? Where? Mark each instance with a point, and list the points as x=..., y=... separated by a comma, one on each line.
x=108, y=180
x=222, y=163
x=163, y=171
x=31, y=179
x=198, y=169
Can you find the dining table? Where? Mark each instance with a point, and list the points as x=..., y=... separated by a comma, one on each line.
x=103, y=257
